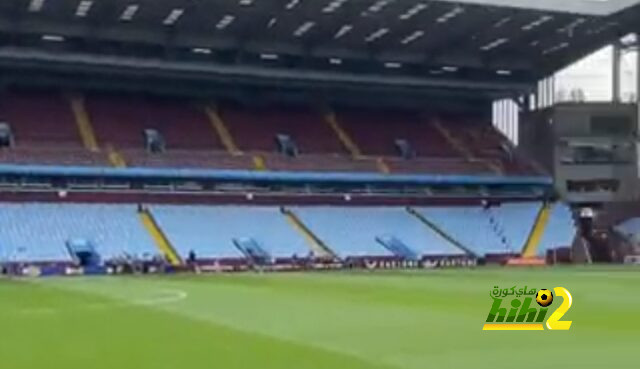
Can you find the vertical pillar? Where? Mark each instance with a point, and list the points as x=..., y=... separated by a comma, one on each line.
x=615, y=71
x=638, y=70
x=638, y=102
x=552, y=82
x=539, y=95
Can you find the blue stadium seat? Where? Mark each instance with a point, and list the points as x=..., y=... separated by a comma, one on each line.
x=210, y=230
x=515, y=221
x=353, y=231
x=497, y=230
x=560, y=230
x=40, y=232
x=630, y=229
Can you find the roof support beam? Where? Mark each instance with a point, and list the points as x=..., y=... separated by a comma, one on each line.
x=25, y=59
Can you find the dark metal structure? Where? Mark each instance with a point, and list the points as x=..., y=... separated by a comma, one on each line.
x=471, y=49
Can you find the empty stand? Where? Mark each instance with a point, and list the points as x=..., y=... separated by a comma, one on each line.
x=358, y=231
x=436, y=166
x=52, y=156
x=53, y=130
x=530, y=248
x=630, y=229
x=376, y=132
x=160, y=239
x=319, y=162
x=483, y=141
x=40, y=232
x=497, y=230
x=561, y=229
x=185, y=158
x=40, y=119
x=514, y=222
x=256, y=129
x=210, y=231
x=121, y=121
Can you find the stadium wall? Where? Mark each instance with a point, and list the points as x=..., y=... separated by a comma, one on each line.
x=243, y=198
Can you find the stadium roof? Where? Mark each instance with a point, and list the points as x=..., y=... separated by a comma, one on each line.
x=593, y=7
x=481, y=44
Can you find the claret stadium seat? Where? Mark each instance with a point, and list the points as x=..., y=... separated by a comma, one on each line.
x=43, y=131
x=375, y=133
x=254, y=129
x=40, y=119
x=182, y=124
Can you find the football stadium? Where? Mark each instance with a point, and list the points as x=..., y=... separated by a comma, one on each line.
x=319, y=184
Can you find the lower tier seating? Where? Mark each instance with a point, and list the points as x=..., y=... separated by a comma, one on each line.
x=485, y=231
x=502, y=229
x=41, y=232
x=215, y=231
x=560, y=230
x=362, y=231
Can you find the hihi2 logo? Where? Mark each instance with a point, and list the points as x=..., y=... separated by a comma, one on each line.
x=527, y=309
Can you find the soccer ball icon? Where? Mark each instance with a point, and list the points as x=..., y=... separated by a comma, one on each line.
x=544, y=297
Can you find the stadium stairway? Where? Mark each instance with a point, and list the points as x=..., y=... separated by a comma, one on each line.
x=439, y=231
x=222, y=132
x=160, y=239
x=349, y=143
x=259, y=163
x=462, y=149
x=315, y=244
x=383, y=167
x=115, y=158
x=85, y=128
x=343, y=136
x=530, y=248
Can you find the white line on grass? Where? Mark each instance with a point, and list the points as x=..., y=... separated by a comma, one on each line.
x=159, y=297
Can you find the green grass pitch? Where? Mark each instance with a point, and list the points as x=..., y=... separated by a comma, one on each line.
x=413, y=320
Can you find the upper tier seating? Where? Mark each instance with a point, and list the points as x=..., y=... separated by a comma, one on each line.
x=437, y=165
x=40, y=232
x=45, y=132
x=40, y=119
x=121, y=121
x=560, y=230
x=355, y=231
x=52, y=156
x=256, y=129
x=320, y=162
x=203, y=159
x=210, y=230
x=376, y=132
x=484, y=141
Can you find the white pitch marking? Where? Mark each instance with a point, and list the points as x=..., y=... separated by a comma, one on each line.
x=165, y=297
x=161, y=297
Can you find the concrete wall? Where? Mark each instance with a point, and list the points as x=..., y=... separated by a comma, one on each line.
x=545, y=134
